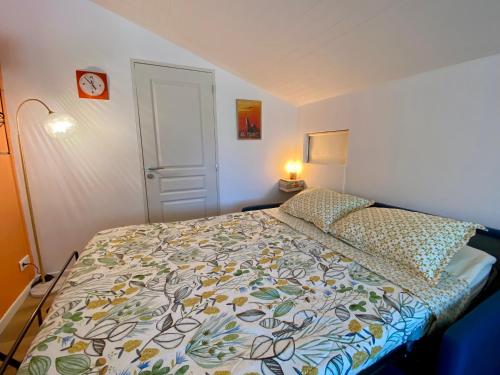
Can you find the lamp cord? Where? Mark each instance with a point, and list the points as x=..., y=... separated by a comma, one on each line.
x=34, y=266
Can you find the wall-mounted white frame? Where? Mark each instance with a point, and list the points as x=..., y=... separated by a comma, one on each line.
x=327, y=147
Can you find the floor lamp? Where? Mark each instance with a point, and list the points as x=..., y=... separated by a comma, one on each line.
x=57, y=126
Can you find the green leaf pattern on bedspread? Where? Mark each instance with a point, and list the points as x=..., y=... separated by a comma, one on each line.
x=235, y=294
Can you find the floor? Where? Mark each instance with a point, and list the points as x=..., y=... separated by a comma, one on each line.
x=9, y=335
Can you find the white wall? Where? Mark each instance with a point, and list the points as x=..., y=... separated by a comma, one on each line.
x=94, y=180
x=429, y=142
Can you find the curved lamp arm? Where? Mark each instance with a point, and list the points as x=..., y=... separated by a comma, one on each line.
x=27, y=101
x=26, y=182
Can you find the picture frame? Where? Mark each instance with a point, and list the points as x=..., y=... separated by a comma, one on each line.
x=249, y=119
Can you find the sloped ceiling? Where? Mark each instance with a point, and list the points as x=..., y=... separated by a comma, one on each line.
x=308, y=50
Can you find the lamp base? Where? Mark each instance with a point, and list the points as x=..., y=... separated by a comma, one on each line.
x=39, y=288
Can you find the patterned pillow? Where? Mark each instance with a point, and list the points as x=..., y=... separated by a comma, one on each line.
x=422, y=244
x=323, y=206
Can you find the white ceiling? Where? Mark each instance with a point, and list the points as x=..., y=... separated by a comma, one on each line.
x=308, y=50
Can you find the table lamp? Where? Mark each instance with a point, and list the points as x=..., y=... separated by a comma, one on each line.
x=293, y=168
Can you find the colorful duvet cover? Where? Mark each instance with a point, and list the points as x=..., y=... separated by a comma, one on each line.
x=241, y=293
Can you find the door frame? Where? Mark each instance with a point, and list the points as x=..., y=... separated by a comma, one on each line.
x=138, y=126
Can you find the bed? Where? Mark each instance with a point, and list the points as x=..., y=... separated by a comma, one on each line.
x=258, y=292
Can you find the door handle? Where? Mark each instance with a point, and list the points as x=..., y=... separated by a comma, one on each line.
x=155, y=169
x=151, y=171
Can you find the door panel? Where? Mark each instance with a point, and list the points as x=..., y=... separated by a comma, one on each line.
x=176, y=118
x=182, y=183
x=173, y=103
x=184, y=209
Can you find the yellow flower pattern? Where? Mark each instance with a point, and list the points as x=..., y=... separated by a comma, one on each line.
x=79, y=346
x=130, y=345
x=308, y=370
x=148, y=353
x=131, y=290
x=101, y=362
x=97, y=303
x=117, y=287
x=375, y=351
x=208, y=294
x=99, y=315
x=221, y=298
x=210, y=310
x=240, y=301
x=354, y=326
x=358, y=359
x=376, y=330
x=314, y=278
x=209, y=282
x=188, y=302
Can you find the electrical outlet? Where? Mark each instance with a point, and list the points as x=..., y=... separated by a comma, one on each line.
x=23, y=263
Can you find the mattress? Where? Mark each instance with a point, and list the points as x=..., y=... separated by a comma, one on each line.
x=241, y=293
x=473, y=266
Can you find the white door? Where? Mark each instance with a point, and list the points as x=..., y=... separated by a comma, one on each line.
x=177, y=124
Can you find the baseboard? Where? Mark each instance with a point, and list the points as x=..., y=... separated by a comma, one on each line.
x=4, y=321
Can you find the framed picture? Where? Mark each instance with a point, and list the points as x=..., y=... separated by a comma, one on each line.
x=249, y=118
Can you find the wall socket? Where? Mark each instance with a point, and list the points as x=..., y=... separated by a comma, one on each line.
x=23, y=263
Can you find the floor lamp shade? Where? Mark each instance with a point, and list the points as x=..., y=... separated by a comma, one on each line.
x=59, y=125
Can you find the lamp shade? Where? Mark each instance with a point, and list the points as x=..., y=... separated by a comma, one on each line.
x=293, y=168
x=59, y=125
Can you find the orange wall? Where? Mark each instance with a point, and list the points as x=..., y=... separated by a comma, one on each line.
x=13, y=238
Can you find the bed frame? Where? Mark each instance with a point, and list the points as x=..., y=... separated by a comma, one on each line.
x=8, y=360
x=407, y=356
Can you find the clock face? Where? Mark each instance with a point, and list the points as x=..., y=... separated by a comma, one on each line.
x=91, y=84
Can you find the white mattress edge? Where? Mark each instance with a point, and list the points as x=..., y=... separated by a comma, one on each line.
x=473, y=266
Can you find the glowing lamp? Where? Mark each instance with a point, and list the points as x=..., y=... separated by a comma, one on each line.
x=293, y=169
x=59, y=125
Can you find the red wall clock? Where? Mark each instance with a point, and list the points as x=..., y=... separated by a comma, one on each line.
x=92, y=85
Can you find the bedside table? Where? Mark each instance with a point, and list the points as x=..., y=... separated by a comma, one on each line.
x=289, y=186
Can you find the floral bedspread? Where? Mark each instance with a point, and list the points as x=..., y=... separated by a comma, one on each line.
x=235, y=294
